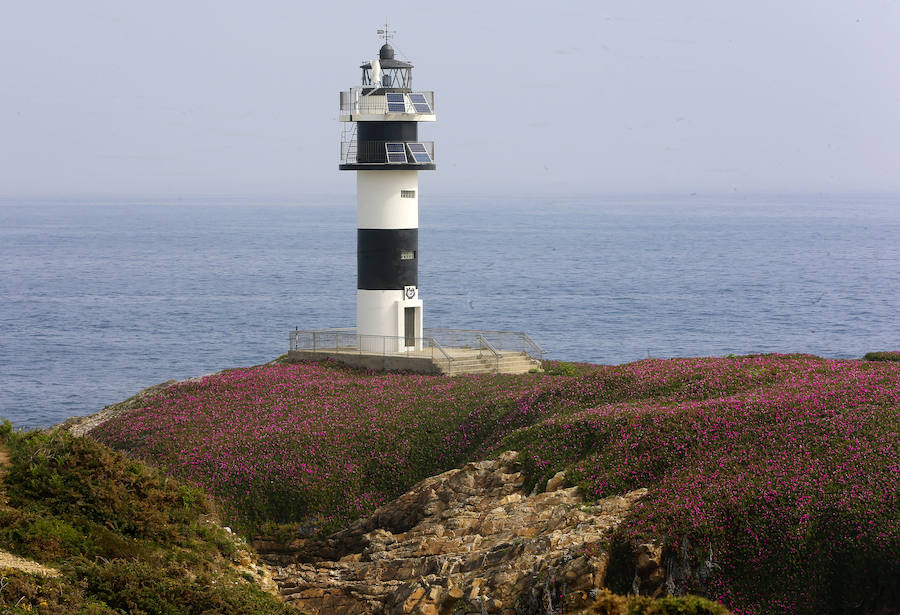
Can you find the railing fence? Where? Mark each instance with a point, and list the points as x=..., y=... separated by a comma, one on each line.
x=435, y=344
x=347, y=340
x=501, y=341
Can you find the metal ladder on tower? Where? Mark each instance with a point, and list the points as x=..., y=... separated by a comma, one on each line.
x=348, y=143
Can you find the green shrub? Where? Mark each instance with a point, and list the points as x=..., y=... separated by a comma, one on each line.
x=607, y=603
x=21, y=593
x=51, y=535
x=142, y=587
x=125, y=538
x=889, y=355
x=560, y=368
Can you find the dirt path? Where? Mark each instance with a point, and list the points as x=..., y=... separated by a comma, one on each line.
x=8, y=560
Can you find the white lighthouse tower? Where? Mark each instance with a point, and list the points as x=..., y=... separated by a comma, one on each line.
x=381, y=143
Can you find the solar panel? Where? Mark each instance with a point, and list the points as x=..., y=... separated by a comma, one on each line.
x=396, y=153
x=420, y=103
x=419, y=153
x=396, y=103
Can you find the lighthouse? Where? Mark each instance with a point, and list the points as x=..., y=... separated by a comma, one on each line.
x=380, y=141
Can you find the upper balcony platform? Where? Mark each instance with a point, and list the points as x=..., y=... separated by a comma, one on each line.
x=386, y=105
x=387, y=155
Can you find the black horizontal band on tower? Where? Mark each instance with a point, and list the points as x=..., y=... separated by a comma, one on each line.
x=372, y=136
x=380, y=260
x=387, y=131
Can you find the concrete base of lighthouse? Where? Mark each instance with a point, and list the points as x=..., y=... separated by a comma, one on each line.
x=387, y=321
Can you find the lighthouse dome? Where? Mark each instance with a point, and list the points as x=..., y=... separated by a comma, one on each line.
x=386, y=52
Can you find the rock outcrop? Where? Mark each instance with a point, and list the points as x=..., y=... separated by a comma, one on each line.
x=465, y=541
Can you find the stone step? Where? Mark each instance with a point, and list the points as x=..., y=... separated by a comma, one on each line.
x=507, y=366
x=509, y=362
x=471, y=363
x=467, y=364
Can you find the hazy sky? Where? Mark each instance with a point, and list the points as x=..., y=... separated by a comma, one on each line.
x=235, y=97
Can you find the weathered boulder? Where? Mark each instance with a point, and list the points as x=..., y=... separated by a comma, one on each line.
x=465, y=541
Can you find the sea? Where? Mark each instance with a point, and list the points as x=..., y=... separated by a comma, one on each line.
x=100, y=298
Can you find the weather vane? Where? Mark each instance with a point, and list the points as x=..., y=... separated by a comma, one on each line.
x=386, y=33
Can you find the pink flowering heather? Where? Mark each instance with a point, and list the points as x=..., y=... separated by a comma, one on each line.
x=781, y=472
x=773, y=477
x=311, y=443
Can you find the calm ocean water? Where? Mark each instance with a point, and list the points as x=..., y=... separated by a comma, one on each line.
x=99, y=300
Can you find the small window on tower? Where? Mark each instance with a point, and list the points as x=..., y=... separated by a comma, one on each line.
x=407, y=194
x=407, y=255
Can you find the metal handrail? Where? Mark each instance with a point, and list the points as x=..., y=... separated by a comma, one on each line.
x=501, y=340
x=485, y=343
x=434, y=344
x=533, y=344
x=489, y=346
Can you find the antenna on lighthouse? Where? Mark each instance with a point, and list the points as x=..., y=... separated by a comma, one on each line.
x=386, y=33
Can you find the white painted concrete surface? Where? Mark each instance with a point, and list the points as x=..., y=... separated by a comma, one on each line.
x=378, y=201
x=381, y=313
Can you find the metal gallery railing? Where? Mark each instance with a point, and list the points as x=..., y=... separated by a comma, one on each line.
x=375, y=152
x=354, y=102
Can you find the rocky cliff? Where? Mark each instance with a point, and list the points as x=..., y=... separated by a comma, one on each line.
x=465, y=541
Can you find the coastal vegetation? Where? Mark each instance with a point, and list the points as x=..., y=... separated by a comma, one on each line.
x=772, y=479
x=99, y=533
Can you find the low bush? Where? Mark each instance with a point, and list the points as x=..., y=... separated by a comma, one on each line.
x=607, y=603
x=22, y=593
x=144, y=587
x=564, y=368
x=892, y=355
x=124, y=537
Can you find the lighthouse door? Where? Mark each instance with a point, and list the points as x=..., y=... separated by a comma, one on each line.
x=409, y=326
